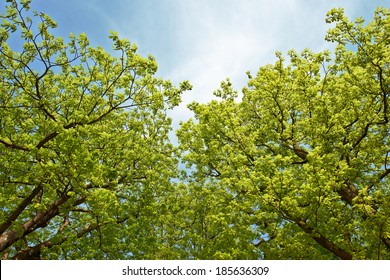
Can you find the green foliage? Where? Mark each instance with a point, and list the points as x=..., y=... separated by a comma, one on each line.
x=85, y=156
x=296, y=169
x=301, y=162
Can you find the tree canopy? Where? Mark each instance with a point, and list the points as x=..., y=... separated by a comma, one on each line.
x=85, y=155
x=295, y=167
x=303, y=158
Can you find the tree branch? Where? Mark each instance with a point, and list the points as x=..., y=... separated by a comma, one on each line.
x=38, y=221
x=20, y=209
x=348, y=193
x=324, y=242
x=33, y=253
x=14, y=146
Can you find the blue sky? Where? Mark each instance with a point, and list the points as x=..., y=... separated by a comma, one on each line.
x=205, y=41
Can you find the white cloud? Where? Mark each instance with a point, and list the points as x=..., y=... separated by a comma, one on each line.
x=205, y=41
x=228, y=38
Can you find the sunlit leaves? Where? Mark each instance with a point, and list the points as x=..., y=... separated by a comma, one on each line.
x=296, y=169
x=86, y=159
x=305, y=152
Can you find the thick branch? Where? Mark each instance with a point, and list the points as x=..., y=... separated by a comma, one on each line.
x=348, y=193
x=324, y=242
x=54, y=134
x=20, y=209
x=380, y=178
x=299, y=151
x=13, y=146
x=38, y=221
x=386, y=241
x=35, y=252
x=46, y=139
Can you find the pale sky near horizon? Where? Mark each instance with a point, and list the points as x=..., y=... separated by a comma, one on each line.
x=205, y=41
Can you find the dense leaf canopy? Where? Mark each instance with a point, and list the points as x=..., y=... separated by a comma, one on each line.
x=294, y=168
x=303, y=159
x=85, y=155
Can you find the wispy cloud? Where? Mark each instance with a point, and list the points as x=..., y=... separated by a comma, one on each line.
x=225, y=39
x=205, y=41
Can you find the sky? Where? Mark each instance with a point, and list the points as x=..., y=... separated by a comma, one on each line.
x=205, y=41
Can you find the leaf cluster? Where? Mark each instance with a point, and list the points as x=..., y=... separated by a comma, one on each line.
x=295, y=169
x=303, y=157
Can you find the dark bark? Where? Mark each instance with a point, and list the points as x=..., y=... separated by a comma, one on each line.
x=348, y=193
x=38, y=221
x=14, y=215
x=324, y=242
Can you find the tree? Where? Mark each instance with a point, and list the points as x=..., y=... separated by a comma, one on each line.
x=297, y=169
x=301, y=163
x=86, y=163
